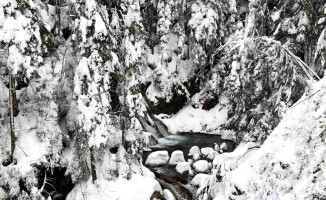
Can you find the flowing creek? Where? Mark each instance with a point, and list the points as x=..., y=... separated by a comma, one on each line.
x=167, y=176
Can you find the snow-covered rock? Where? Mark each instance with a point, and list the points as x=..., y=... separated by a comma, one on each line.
x=212, y=155
x=194, y=150
x=157, y=158
x=223, y=146
x=216, y=147
x=176, y=157
x=201, y=166
x=138, y=187
x=168, y=195
x=206, y=151
x=200, y=180
x=196, y=156
x=3, y=193
x=183, y=167
x=191, y=173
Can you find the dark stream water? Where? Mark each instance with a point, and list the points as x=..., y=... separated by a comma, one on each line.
x=184, y=141
x=167, y=176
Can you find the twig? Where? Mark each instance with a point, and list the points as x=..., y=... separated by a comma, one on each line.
x=303, y=100
x=21, y=149
x=19, y=130
x=3, y=78
x=42, y=188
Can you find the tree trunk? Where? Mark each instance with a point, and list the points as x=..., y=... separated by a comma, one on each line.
x=12, y=95
x=93, y=169
x=124, y=112
x=123, y=129
x=58, y=20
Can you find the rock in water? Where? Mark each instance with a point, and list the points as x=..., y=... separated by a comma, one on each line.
x=194, y=150
x=176, y=157
x=157, y=158
x=216, y=147
x=196, y=156
x=168, y=195
x=206, y=151
x=212, y=155
x=200, y=180
x=183, y=167
x=223, y=146
x=201, y=166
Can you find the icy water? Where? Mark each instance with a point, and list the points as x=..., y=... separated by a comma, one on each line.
x=167, y=176
x=184, y=141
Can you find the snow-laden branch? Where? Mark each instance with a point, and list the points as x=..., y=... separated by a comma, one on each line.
x=236, y=43
x=302, y=64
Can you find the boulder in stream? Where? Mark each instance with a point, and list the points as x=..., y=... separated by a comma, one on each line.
x=168, y=195
x=200, y=180
x=201, y=166
x=196, y=156
x=157, y=158
x=223, y=147
x=194, y=150
x=183, y=167
x=206, y=151
x=212, y=155
x=176, y=157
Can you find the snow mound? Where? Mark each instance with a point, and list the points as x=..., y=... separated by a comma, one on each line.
x=223, y=146
x=183, y=167
x=157, y=158
x=190, y=119
x=206, y=151
x=168, y=195
x=193, y=150
x=200, y=180
x=176, y=157
x=196, y=156
x=201, y=166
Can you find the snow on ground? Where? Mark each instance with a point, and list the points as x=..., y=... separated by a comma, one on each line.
x=168, y=195
x=139, y=185
x=289, y=165
x=190, y=119
x=138, y=188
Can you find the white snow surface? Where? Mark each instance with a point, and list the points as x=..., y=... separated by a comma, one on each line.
x=168, y=195
x=193, y=150
x=183, y=167
x=200, y=181
x=157, y=158
x=190, y=119
x=206, y=151
x=201, y=166
x=138, y=188
x=289, y=165
x=176, y=157
x=223, y=146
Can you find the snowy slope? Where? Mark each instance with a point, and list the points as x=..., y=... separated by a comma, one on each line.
x=191, y=119
x=289, y=165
